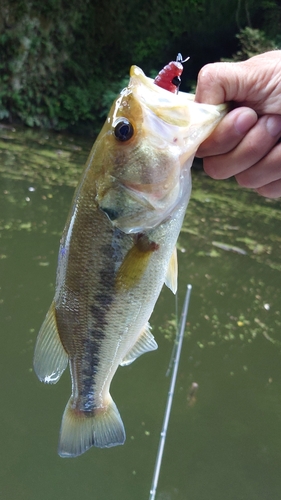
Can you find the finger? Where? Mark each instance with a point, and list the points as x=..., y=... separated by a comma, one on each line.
x=220, y=82
x=254, y=83
x=229, y=132
x=264, y=172
x=253, y=147
x=271, y=190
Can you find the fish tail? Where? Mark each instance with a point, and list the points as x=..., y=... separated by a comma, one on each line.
x=81, y=430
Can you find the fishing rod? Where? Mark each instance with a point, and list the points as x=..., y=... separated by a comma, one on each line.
x=163, y=434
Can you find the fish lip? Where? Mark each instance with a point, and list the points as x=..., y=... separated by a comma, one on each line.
x=173, y=109
x=174, y=126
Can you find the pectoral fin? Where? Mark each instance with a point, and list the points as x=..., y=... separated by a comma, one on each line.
x=145, y=343
x=171, y=279
x=50, y=358
x=135, y=262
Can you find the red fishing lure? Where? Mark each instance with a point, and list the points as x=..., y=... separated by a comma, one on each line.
x=169, y=77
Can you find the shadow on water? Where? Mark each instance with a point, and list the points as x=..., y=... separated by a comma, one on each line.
x=224, y=440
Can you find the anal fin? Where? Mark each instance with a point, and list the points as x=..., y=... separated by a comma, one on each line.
x=144, y=343
x=50, y=358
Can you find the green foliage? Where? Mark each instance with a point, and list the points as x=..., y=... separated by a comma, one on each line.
x=252, y=42
x=34, y=51
x=63, y=63
x=271, y=12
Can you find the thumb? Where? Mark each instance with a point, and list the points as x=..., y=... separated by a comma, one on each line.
x=254, y=83
x=218, y=83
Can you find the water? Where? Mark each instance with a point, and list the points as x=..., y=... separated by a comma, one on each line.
x=224, y=441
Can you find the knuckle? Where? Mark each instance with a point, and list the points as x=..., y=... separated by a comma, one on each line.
x=247, y=180
x=212, y=168
x=241, y=180
x=272, y=190
x=265, y=191
x=254, y=150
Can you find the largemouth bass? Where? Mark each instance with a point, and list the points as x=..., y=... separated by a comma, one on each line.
x=117, y=249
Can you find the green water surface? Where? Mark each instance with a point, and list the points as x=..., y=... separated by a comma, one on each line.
x=225, y=441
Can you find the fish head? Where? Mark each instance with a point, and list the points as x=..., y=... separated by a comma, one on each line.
x=146, y=149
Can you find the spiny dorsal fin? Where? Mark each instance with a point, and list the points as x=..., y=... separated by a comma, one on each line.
x=171, y=279
x=145, y=343
x=50, y=358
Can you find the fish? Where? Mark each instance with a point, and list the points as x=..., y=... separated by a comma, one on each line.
x=117, y=250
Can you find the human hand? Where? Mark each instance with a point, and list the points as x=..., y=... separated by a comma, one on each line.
x=245, y=143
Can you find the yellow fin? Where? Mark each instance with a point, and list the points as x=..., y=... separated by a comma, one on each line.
x=135, y=262
x=81, y=430
x=50, y=358
x=171, y=279
x=145, y=343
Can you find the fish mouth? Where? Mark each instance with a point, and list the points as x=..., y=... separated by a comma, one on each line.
x=173, y=118
x=154, y=178
x=171, y=108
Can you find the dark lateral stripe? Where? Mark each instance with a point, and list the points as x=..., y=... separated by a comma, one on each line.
x=97, y=330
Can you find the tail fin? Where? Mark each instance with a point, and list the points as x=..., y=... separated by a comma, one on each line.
x=80, y=431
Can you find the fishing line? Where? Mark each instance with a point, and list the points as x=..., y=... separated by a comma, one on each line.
x=163, y=434
x=176, y=333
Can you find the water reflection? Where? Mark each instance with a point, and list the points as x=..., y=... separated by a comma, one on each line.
x=227, y=444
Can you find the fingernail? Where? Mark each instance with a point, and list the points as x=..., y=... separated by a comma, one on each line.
x=273, y=125
x=245, y=120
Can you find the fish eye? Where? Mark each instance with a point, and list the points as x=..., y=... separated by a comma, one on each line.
x=123, y=130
